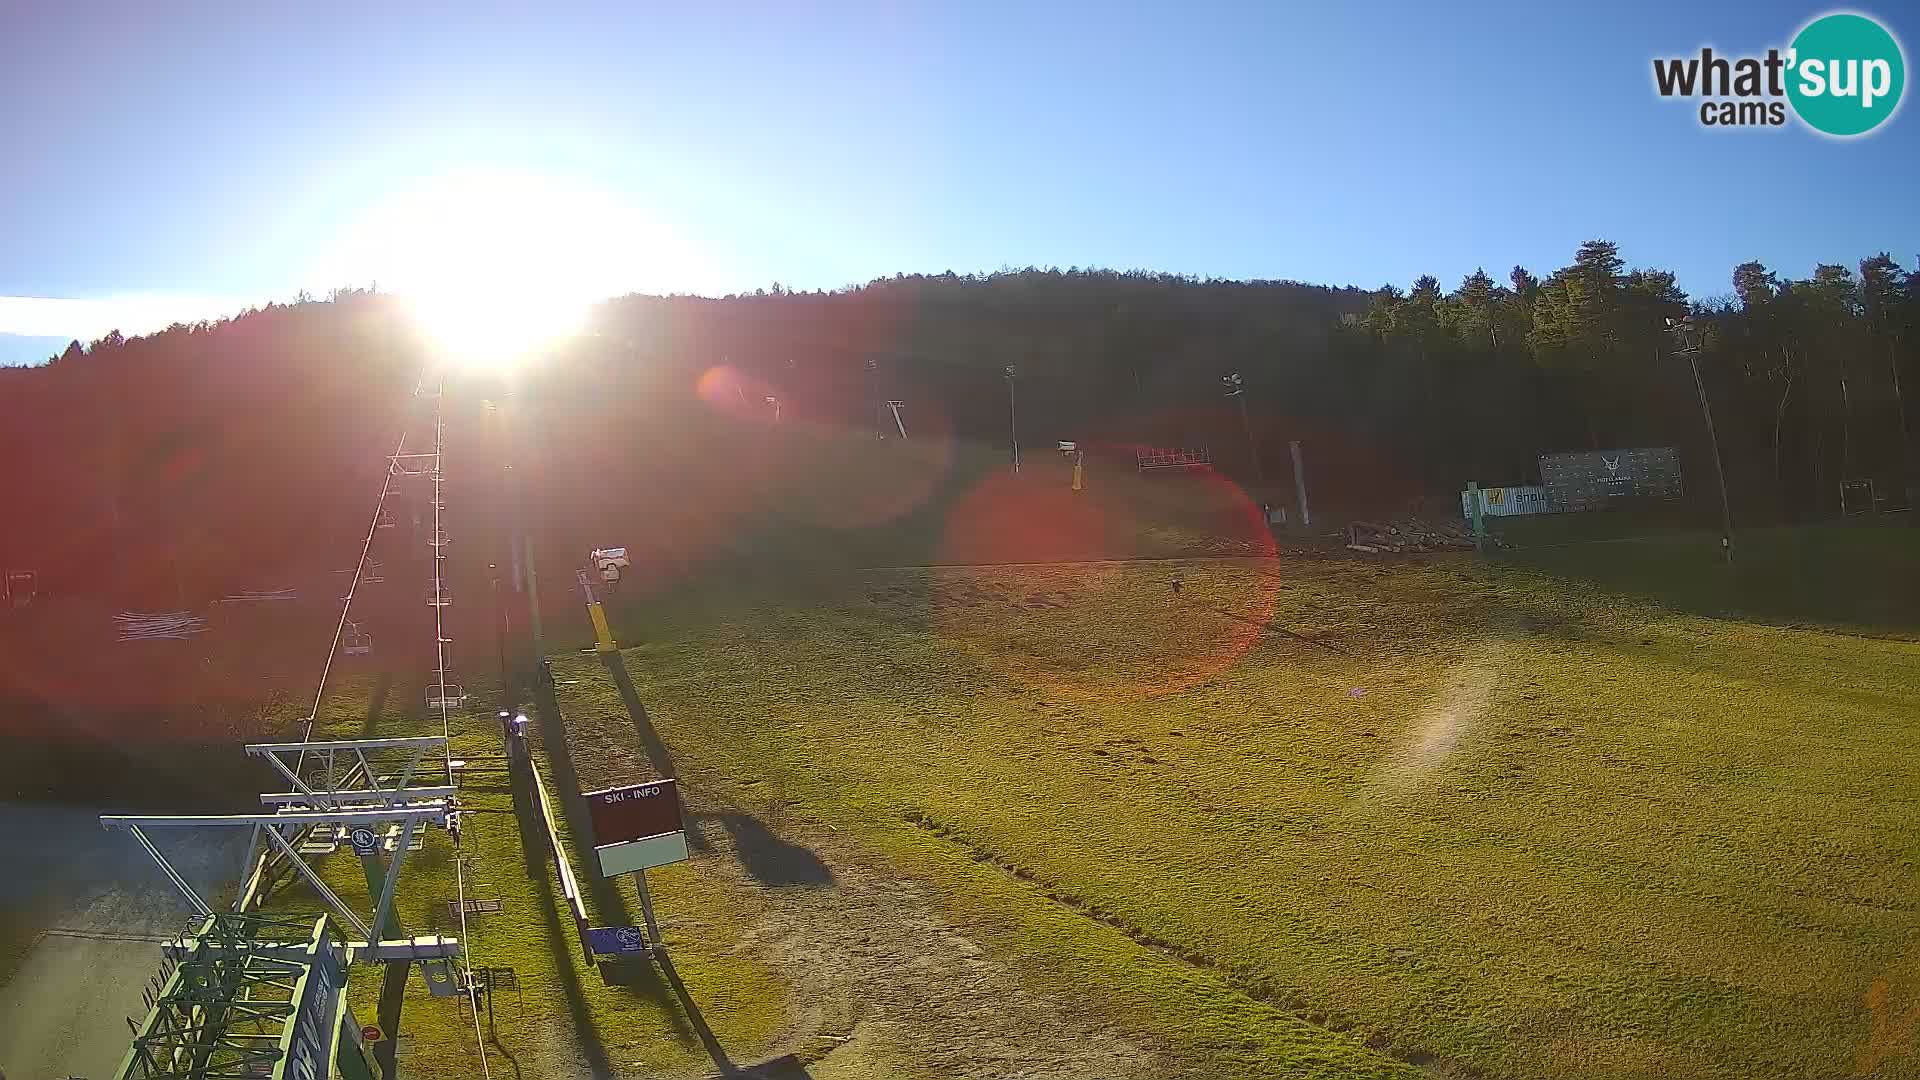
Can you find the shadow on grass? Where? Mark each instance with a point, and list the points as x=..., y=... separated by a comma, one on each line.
x=658, y=755
x=771, y=860
x=494, y=1041
x=393, y=993
x=376, y=705
x=577, y=1011
x=607, y=899
x=786, y=1067
x=1859, y=578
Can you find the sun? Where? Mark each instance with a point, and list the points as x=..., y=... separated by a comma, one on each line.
x=496, y=266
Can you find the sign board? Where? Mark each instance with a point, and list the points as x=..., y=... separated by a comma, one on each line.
x=634, y=812
x=316, y=1018
x=616, y=940
x=1509, y=502
x=1589, y=479
x=625, y=858
x=364, y=840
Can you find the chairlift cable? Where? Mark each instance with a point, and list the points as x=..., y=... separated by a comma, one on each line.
x=359, y=569
x=446, y=728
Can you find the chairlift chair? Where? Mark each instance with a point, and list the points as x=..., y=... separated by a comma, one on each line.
x=387, y=519
x=437, y=595
x=21, y=587
x=356, y=642
x=445, y=695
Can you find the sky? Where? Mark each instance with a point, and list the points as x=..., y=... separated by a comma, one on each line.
x=180, y=161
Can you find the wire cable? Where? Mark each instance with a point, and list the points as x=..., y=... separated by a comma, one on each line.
x=359, y=571
x=446, y=727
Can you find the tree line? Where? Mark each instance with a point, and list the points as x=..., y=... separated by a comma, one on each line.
x=218, y=454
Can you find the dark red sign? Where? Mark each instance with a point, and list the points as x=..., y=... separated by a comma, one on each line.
x=634, y=812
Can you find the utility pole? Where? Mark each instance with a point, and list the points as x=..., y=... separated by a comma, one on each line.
x=1013, y=418
x=1687, y=342
x=499, y=628
x=508, y=425
x=1236, y=388
x=1300, y=483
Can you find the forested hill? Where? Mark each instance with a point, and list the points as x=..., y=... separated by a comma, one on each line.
x=208, y=456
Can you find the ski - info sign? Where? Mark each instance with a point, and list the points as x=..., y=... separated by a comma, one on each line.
x=636, y=827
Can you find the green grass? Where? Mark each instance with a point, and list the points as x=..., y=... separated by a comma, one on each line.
x=567, y=1020
x=19, y=928
x=1517, y=825
x=1859, y=577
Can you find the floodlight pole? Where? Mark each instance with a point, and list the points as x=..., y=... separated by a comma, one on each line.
x=1253, y=448
x=526, y=550
x=1687, y=333
x=1237, y=389
x=1013, y=420
x=1300, y=483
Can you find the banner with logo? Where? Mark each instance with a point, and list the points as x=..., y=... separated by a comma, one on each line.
x=1508, y=501
x=1590, y=479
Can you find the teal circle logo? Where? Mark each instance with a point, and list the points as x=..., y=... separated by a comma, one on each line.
x=1846, y=76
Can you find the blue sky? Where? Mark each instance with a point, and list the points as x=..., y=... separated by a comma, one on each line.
x=160, y=161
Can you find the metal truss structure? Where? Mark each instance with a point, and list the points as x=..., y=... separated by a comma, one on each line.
x=281, y=830
x=247, y=996
x=233, y=1003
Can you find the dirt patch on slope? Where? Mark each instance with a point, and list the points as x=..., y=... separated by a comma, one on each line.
x=885, y=986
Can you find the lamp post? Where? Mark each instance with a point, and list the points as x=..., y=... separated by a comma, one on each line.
x=1236, y=388
x=1686, y=338
x=1013, y=419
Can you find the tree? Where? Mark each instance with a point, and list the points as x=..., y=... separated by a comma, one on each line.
x=1754, y=284
x=1472, y=312
x=1885, y=303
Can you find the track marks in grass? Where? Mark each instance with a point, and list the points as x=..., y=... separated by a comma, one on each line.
x=1253, y=984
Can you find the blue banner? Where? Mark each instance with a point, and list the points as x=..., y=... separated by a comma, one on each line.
x=616, y=940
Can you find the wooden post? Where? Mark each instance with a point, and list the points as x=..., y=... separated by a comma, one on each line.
x=1300, y=484
x=1474, y=515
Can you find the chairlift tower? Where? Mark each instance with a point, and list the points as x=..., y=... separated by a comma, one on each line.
x=360, y=790
x=249, y=995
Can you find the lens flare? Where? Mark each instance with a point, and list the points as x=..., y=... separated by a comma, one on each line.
x=1037, y=624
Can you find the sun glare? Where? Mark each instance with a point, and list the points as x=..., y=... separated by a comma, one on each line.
x=498, y=266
